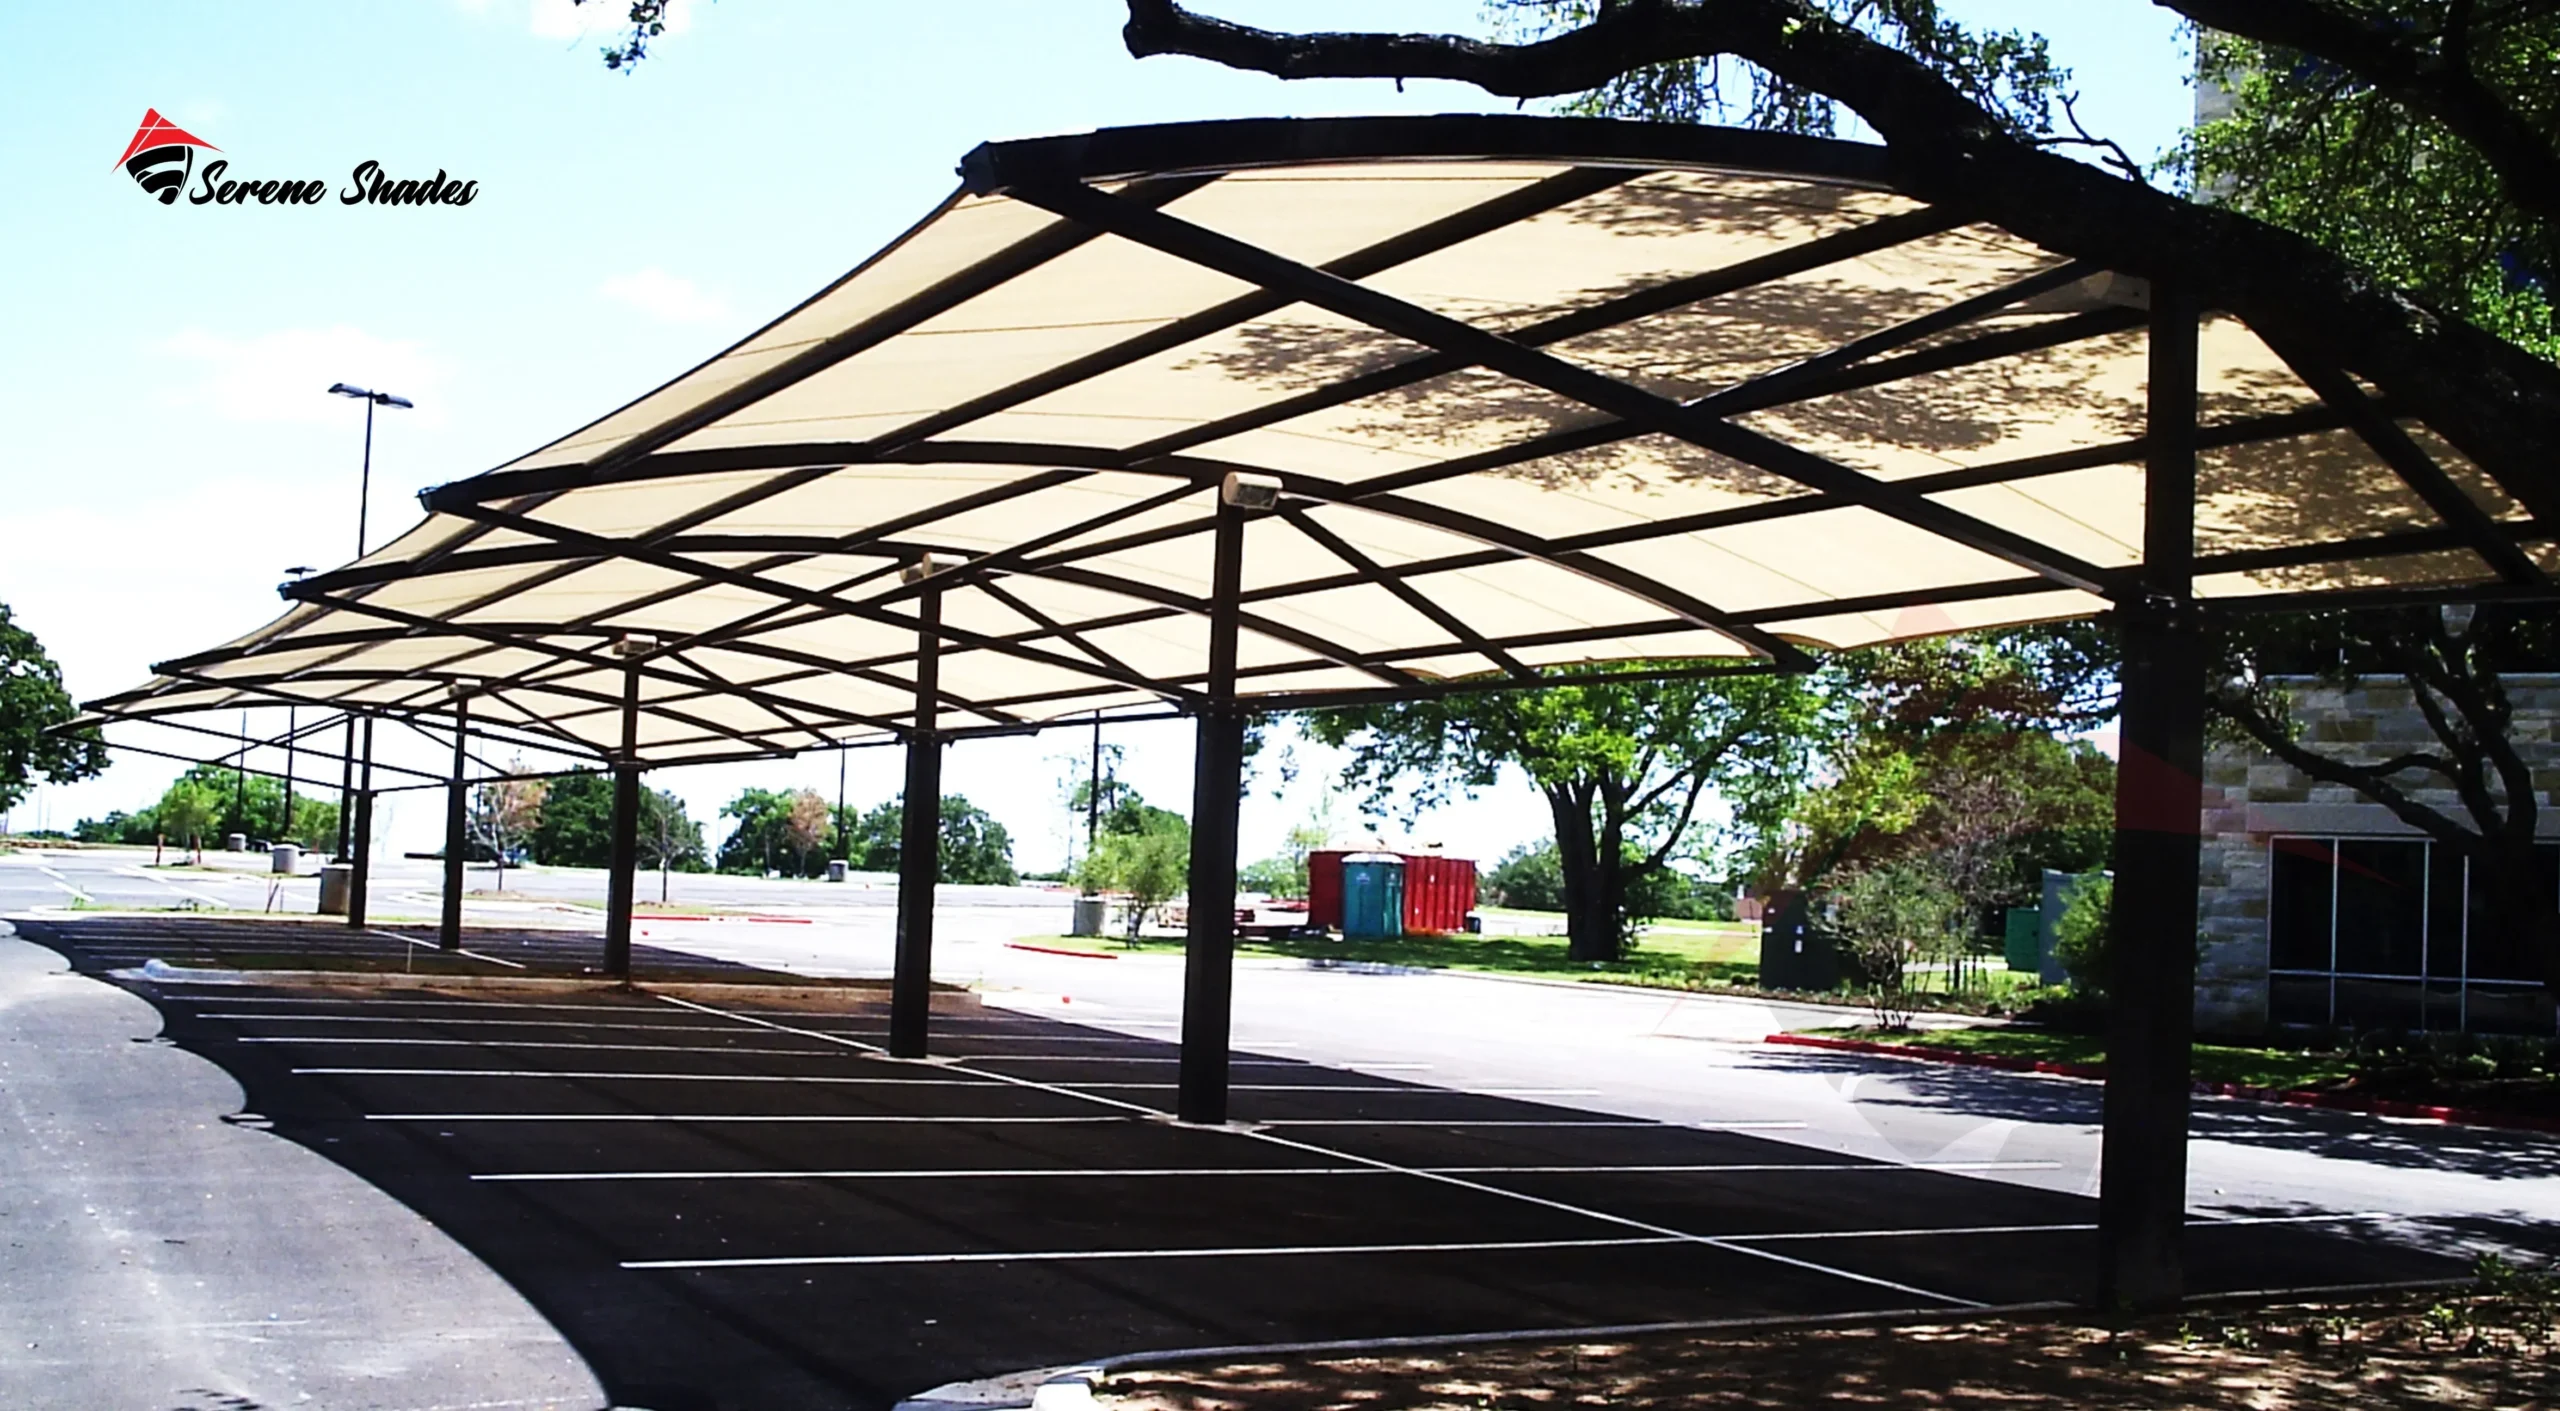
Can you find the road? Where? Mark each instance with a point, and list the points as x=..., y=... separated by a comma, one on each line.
x=1626, y=1052
x=1604, y=1049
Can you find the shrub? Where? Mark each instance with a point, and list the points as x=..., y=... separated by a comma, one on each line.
x=2080, y=936
x=1891, y=918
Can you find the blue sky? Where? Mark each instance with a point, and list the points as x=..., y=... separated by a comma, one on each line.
x=166, y=449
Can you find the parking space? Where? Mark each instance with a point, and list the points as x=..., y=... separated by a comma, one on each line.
x=288, y=942
x=733, y=1197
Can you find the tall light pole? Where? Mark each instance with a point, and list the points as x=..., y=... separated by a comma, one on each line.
x=364, y=495
x=292, y=727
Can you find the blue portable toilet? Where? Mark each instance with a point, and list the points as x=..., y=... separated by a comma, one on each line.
x=1372, y=896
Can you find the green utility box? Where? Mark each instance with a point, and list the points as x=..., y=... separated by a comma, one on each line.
x=2023, y=941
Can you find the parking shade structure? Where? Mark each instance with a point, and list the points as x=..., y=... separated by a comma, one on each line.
x=1214, y=418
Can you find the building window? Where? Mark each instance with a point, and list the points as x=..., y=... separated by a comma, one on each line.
x=2388, y=933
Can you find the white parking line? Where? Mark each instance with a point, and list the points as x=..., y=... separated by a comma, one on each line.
x=188, y=892
x=65, y=884
x=412, y=1003
x=961, y=1082
x=1055, y=1255
x=785, y=1117
x=493, y=960
x=1734, y=1242
x=1139, y=1172
x=472, y=1023
x=2064, y=1227
x=1458, y=1181
x=1531, y=1122
x=333, y=1042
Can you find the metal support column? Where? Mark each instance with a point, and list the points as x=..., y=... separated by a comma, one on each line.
x=284, y=830
x=2159, y=796
x=1217, y=789
x=456, y=833
x=623, y=860
x=346, y=788
x=360, y=876
x=919, y=844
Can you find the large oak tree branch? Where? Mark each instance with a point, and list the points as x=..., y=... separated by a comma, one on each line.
x=2498, y=404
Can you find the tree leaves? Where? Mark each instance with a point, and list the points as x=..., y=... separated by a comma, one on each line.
x=32, y=702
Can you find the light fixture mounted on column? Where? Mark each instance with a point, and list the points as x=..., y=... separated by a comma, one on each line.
x=924, y=567
x=635, y=644
x=1247, y=491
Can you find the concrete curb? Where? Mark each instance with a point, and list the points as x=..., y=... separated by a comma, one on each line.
x=2290, y=1097
x=1380, y=967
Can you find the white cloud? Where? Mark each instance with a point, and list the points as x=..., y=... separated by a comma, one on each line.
x=664, y=297
x=285, y=375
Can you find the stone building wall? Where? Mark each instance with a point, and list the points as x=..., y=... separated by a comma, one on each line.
x=2251, y=797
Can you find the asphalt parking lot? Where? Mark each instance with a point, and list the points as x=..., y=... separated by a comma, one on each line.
x=732, y=1198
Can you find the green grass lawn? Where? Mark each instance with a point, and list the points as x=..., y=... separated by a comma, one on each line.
x=1685, y=958
x=2214, y=1063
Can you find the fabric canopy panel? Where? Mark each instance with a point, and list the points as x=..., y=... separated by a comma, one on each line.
x=1524, y=395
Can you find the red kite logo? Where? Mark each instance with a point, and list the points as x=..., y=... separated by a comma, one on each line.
x=161, y=155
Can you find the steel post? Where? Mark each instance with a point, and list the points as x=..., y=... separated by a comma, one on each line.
x=2159, y=798
x=919, y=844
x=1217, y=788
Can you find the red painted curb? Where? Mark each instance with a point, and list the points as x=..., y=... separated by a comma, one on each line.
x=785, y=920
x=1061, y=950
x=2293, y=1097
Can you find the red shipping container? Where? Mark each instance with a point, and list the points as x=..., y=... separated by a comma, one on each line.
x=1438, y=891
x=1324, y=888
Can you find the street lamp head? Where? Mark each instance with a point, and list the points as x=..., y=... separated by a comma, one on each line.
x=300, y=570
x=379, y=399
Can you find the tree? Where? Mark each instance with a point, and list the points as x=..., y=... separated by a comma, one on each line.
x=187, y=810
x=243, y=803
x=32, y=703
x=1975, y=123
x=762, y=816
x=2429, y=159
x=576, y=827
x=2475, y=793
x=503, y=813
x=1149, y=866
x=1285, y=874
x=804, y=824
x=668, y=839
x=1918, y=729
x=973, y=846
x=1894, y=917
x=1530, y=877
x=1624, y=768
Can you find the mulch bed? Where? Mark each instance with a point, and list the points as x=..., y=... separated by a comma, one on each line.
x=2406, y=1351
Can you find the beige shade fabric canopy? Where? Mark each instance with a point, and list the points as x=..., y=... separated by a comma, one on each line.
x=1505, y=397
